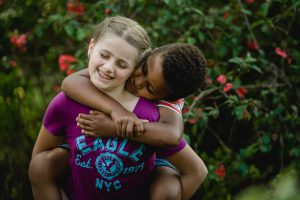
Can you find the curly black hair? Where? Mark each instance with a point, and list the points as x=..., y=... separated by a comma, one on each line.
x=184, y=68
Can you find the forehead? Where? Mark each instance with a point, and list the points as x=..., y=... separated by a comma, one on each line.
x=155, y=76
x=117, y=46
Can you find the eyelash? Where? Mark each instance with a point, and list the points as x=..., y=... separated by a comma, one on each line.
x=105, y=56
x=122, y=66
x=150, y=91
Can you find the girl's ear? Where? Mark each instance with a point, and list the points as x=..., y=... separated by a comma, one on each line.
x=91, y=46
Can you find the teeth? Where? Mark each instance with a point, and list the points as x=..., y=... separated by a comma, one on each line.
x=103, y=75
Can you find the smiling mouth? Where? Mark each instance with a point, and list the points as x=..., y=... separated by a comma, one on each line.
x=104, y=76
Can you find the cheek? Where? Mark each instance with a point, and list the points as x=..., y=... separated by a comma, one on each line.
x=91, y=63
x=124, y=75
x=144, y=93
x=137, y=72
x=90, y=68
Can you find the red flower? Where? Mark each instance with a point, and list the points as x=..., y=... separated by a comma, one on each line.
x=241, y=92
x=226, y=15
x=56, y=88
x=70, y=71
x=1, y=2
x=249, y=1
x=75, y=8
x=280, y=52
x=185, y=110
x=13, y=63
x=107, y=11
x=64, y=61
x=221, y=79
x=192, y=121
x=227, y=87
x=221, y=171
x=19, y=41
x=252, y=44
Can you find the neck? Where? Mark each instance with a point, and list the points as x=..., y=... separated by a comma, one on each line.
x=117, y=93
x=126, y=99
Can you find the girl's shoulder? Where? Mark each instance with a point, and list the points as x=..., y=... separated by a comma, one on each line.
x=146, y=109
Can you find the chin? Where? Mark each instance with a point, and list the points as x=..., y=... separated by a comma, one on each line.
x=97, y=84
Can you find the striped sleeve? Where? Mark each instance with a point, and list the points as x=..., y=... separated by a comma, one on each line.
x=173, y=105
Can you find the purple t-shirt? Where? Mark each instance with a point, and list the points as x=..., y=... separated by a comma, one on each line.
x=103, y=168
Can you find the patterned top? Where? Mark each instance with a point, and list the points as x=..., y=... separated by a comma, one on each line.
x=103, y=168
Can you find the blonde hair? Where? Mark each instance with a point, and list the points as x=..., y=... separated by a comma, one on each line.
x=125, y=28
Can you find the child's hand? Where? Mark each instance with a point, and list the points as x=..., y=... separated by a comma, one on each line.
x=127, y=123
x=130, y=127
x=95, y=124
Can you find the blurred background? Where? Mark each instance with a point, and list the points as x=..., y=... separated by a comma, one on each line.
x=244, y=123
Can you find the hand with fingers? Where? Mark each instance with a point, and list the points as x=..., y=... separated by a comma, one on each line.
x=127, y=124
x=129, y=127
x=96, y=124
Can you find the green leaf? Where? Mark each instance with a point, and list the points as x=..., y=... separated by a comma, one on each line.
x=295, y=152
x=209, y=23
x=243, y=169
x=80, y=34
x=69, y=30
x=256, y=68
x=256, y=113
x=264, y=8
x=191, y=40
x=201, y=37
x=249, y=58
x=236, y=60
x=245, y=11
x=239, y=111
x=234, y=98
x=197, y=11
x=266, y=139
x=167, y=1
x=54, y=18
x=214, y=113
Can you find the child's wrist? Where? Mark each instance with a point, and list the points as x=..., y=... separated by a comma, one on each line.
x=137, y=132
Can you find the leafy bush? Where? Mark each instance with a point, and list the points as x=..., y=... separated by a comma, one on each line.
x=244, y=123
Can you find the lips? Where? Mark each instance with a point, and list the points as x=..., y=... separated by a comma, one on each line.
x=104, y=76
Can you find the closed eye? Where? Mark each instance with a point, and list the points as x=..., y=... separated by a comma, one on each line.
x=122, y=65
x=150, y=89
x=104, y=55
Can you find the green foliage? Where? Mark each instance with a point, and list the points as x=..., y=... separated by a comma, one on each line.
x=285, y=186
x=249, y=124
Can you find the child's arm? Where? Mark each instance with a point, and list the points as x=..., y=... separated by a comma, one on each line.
x=79, y=87
x=166, y=132
x=192, y=170
x=45, y=141
x=156, y=133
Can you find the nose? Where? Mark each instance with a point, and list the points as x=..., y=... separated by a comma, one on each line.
x=108, y=67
